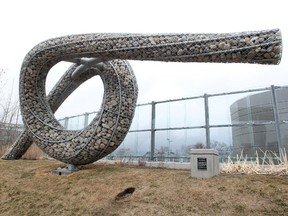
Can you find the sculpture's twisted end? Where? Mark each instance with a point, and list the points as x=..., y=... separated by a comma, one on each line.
x=261, y=47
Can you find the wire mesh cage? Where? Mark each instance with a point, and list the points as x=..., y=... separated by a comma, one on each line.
x=105, y=55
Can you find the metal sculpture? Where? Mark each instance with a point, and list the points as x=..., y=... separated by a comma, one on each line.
x=105, y=55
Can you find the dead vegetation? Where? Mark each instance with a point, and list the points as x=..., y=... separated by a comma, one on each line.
x=33, y=153
x=27, y=188
x=270, y=164
x=3, y=149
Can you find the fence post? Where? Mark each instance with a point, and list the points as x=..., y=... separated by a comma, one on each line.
x=152, y=151
x=66, y=120
x=86, y=116
x=207, y=125
x=276, y=117
x=250, y=128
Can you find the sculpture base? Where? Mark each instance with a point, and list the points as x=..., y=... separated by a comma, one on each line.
x=67, y=170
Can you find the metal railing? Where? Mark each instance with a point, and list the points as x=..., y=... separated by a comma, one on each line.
x=208, y=113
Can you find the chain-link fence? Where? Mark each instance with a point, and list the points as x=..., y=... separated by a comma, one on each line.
x=241, y=122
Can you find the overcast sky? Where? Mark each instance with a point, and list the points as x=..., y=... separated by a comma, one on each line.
x=25, y=23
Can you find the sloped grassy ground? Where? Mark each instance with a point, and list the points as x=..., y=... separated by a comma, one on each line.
x=27, y=188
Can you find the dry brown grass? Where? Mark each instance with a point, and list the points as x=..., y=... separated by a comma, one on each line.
x=3, y=149
x=28, y=189
x=33, y=153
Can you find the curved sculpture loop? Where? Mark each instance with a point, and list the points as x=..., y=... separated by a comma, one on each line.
x=105, y=55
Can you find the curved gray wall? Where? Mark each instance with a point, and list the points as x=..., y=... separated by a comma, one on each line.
x=258, y=108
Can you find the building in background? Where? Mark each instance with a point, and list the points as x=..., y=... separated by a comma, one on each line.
x=259, y=132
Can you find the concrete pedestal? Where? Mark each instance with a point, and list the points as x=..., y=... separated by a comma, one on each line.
x=67, y=170
x=204, y=163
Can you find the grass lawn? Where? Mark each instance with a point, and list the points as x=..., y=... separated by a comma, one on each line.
x=27, y=188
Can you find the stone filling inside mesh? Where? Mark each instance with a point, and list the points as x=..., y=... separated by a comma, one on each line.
x=105, y=55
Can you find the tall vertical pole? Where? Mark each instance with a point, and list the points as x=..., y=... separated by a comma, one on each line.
x=66, y=119
x=207, y=125
x=86, y=116
x=152, y=152
x=276, y=117
x=250, y=128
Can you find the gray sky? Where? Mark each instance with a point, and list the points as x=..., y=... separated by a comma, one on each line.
x=26, y=23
